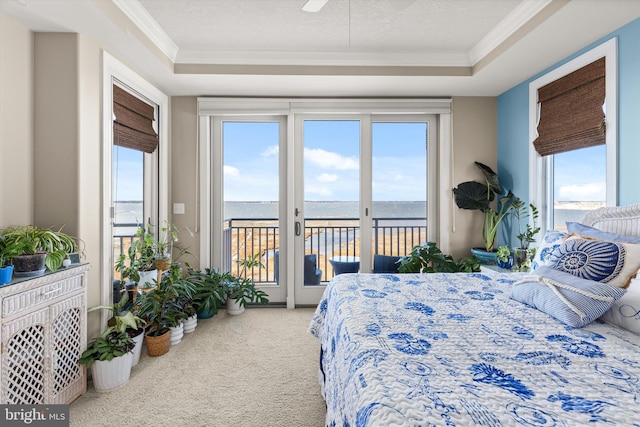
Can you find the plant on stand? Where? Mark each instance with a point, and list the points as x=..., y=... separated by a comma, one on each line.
x=473, y=195
x=35, y=249
x=504, y=257
x=241, y=289
x=522, y=212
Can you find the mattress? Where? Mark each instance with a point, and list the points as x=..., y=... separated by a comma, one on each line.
x=455, y=350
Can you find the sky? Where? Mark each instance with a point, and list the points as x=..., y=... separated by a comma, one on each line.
x=331, y=164
x=331, y=161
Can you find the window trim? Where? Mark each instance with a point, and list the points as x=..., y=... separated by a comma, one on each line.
x=540, y=181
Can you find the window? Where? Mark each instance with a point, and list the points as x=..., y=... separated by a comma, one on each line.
x=569, y=182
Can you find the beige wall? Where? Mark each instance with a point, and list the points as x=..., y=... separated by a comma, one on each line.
x=475, y=136
x=16, y=123
x=68, y=177
x=184, y=173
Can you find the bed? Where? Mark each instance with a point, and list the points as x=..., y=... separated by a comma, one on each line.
x=471, y=350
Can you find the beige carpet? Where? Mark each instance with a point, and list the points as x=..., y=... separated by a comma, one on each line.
x=256, y=369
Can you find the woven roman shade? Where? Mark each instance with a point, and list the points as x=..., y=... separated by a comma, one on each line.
x=571, y=111
x=133, y=123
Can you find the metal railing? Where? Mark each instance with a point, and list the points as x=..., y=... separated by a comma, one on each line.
x=325, y=237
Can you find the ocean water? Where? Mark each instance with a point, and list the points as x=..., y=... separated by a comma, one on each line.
x=130, y=212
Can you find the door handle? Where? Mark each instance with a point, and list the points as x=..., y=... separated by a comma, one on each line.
x=297, y=228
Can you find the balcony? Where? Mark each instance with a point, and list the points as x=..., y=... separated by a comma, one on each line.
x=325, y=237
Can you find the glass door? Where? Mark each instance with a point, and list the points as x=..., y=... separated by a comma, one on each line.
x=251, y=203
x=400, y=188
x=327, y=216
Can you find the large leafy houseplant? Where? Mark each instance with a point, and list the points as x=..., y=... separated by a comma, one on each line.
x=210, y=290
x=54, y=245
x=474, y=195
x=243, y=289
x=161, y=307
x=428, y=258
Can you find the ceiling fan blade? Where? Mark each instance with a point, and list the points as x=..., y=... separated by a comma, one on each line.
x=314, y=5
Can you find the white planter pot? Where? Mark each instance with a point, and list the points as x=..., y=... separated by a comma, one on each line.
x=137, y=350
x=108, y=374
x=190, y=324
x=176, y=334
x=234, y=308
x=147, y=278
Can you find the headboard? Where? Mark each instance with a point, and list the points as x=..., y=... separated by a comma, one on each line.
x=620, y=219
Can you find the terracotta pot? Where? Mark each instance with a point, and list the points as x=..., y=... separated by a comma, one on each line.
x=157, y=346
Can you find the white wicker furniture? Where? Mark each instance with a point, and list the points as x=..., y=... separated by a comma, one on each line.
x=43, y=332
x=619, y=219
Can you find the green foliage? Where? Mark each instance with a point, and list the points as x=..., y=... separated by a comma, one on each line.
x=162, y=306
x=242, y=288
x=146, y=248
x=503, y=253
x=521, y=212
x=210, y=289
x=473, y=195
x=29, y=240
x=428, y=258
x=111, y=343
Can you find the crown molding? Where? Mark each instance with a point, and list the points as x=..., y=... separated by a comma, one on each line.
x=517, y=18
x=145, y=22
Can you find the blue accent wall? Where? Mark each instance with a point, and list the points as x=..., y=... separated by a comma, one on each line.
x=513, y=121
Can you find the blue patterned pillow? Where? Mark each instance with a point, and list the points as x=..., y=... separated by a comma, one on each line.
x=551, y=240
x=571, y=300
x=607, y=262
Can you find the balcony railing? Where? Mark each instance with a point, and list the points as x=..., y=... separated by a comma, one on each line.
x=325, y=237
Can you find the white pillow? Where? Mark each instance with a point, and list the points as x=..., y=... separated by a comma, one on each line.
x=625, y=312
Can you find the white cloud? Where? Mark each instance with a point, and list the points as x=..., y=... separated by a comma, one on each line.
x=231, y=171
x=330, y=160
x=271, y=151
x=593, y=191
x=327, y=177
x=320, y=191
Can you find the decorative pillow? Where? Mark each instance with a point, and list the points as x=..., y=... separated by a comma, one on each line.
x=571, y=300
x=551, y=240
x=594, y=233
x=607, y=262
x=625, y=312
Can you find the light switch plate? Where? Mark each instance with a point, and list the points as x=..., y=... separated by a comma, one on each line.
x=178, y=208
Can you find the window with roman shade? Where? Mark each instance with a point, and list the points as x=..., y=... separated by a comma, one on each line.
x=133, y=122
x=571, y=111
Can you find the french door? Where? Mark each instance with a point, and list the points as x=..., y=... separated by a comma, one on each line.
x=325, y=191
x=361, y=188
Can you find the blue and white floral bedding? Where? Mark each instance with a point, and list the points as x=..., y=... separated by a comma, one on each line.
x=454, y=350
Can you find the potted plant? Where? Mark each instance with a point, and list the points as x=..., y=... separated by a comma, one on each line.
x=209, y=292
x=124, y=319
x=428, y=258
x=160, y=309
x=7, y=252
x=138, y=264
x=241, y=289
x=34, y=249
x=164, y=246
x=474, y=195
x=110, y=358
x=504, y=258
x=528, y=235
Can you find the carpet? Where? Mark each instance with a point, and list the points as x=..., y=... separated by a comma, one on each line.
x=256, y=369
